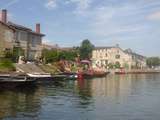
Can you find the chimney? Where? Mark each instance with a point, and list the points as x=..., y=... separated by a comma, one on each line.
x=4, y=16
x=38, y=28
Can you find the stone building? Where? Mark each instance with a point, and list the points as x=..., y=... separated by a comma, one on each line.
x=6, y=35
x=30, y=41
x=105, y=56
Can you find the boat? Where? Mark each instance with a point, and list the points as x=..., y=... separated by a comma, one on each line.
x=12, y=81
x=95, y=74
x=67, y=75
x=100, y=73
x=39, y=76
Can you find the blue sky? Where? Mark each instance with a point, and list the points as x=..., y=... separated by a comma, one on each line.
x=133, y=24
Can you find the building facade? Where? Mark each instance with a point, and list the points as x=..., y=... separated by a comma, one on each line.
x=111, y=56
x=6, y=36
x=30, y=41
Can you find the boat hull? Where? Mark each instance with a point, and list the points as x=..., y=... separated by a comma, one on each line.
x=8, y=81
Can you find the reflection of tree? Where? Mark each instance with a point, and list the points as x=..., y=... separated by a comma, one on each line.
x=14, y=102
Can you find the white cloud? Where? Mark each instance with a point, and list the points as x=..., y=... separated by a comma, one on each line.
x=108, y=21
x=51, y=4
x=154, y=16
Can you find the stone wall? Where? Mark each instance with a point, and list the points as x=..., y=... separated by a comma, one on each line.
x=6, y=38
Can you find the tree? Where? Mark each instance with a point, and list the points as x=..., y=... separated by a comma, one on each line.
x=68, y=55
x=50, y=56
x=85, y=49
x=153, y=62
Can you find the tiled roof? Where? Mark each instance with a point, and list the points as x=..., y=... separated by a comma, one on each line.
x=23, y=28
x=98, y=48
x=7, y=25
x=19, y=26
x=134, y=54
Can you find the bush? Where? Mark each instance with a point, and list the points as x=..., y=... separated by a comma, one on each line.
x=6, y=65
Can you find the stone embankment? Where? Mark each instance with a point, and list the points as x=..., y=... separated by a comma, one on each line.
x=29, y=68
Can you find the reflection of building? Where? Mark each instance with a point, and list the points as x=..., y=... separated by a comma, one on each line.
x=105, y=56
x=30, y=41
x=6, y=35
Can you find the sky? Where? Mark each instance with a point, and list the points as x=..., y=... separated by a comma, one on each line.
x=132, y=24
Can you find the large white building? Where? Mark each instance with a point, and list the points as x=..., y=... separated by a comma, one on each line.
x=111, y=56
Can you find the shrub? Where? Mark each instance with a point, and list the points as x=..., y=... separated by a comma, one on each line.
x=6, y=65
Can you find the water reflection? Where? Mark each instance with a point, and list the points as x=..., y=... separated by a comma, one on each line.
x=18, y=101
x=113, y=97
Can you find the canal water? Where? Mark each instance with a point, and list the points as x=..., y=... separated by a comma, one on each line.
x=115, y=97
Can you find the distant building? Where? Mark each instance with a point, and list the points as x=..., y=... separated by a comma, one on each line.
x=50, y=47
x=105, y=56
x=30, y=41
x=6, y=35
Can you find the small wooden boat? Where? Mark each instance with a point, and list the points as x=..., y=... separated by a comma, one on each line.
x=92, y=74
x=100, y=73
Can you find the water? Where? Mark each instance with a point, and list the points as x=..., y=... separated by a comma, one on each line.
x=118, y=97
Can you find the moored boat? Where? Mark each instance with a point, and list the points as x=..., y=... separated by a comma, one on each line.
x=12, y=81
x=67, y=75
x=39, y=76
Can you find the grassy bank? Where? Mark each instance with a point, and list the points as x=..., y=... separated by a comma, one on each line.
x=6, y=66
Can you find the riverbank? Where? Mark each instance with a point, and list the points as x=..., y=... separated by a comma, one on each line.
x=9, y=68
x=135, y=71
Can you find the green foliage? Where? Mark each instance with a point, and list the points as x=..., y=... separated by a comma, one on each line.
x=117, y=65
x=67, y=55
x=153, y=61
x=50, y=55
x=86, y=49
x=53, y=55
x=6, y=65
x=110, y=65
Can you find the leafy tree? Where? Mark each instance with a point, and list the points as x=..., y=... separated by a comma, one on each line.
x=54, y=55
x=50, y=55
x=85, y=49
x=153, y=61
x=68, y=55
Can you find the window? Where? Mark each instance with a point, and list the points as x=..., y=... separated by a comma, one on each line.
x=117, y=56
